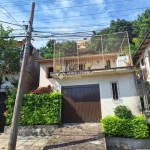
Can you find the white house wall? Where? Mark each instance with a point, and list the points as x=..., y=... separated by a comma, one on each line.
x=7, y=84
x=43, y=80
x=127, y=89
x=147, y=65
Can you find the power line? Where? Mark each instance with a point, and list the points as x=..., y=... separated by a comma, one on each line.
x=95, y=13
x=11, y=17
x=86, y=15
x=25, y=3
x=89, y=25
x=9, y=23
x=82, y=5
x=82, y=19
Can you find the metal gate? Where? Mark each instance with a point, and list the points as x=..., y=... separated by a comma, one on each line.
x=2, y=110
x=81, y=104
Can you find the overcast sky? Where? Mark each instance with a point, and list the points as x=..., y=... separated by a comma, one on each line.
x=68, y=16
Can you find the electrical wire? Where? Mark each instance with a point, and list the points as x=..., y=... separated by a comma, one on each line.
x=87, y=5
x=11, y=17
x=9, y=23
x=83, y=15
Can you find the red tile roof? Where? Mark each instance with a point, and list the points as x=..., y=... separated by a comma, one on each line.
x=43, y=90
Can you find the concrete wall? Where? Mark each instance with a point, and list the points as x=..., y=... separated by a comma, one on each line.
x=127, y=89
x=116, y=143
x=33, y=72
x=33, y=130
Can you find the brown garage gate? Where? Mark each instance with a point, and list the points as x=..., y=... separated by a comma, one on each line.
x=81, y=104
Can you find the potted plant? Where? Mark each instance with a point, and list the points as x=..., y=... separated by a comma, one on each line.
x=71, y=66
x=89, y=65
x=127, y=62
x=58, y=68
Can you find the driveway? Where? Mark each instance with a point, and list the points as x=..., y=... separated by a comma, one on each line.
x=88, y=136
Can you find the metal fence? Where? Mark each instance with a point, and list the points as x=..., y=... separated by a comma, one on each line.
x=97, y=51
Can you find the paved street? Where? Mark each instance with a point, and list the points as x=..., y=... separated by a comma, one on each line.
x=88, y=136
x=25, y=143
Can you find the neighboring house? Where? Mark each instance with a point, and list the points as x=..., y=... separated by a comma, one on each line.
x=142, y=57
x=31, y=81
x=81, y=45
x=92, y=85
x=142, y=61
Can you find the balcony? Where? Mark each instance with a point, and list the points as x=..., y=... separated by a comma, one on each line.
x=107, y=51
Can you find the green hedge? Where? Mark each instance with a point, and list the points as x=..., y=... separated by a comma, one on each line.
x=134, y=127
x=40, y=109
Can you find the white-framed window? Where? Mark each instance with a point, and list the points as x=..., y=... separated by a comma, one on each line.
x=115, y=90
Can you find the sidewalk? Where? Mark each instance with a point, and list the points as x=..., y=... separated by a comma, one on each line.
x=25, y=143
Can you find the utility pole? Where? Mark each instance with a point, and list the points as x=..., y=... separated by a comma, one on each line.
x=19, y=96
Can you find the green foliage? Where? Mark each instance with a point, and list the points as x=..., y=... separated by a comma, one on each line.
x=134, y=127
x=147, y=86
x=61, y=49
x=9, y=53
x=123, y=112
x=141, y=25
x=40, y=109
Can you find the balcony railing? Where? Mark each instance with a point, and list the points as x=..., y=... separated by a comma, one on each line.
x=101, y=51
x=92, y=62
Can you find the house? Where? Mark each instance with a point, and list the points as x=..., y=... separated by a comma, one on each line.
x=142, y=57
x=141, y=60
x=93, y=84
x=31, y=81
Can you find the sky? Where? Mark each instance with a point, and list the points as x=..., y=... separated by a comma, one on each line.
x=56, y=18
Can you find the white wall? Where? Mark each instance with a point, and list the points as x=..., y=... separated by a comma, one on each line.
x=43, y=80
x=127, y=89
x=8, y=83
x=147, y=65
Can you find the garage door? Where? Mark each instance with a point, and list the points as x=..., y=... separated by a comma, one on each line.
x=81, y=104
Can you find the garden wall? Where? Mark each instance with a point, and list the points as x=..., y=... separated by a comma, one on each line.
x=127, y=143
x=35, y=130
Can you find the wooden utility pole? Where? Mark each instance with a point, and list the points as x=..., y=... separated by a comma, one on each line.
x=19, y=96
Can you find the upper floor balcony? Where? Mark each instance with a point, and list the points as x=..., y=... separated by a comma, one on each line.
x=96, y=52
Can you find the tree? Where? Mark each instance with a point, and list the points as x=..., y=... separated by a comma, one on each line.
x=141, y=25
x=9, y=54
x=61, y=49
x=66, y=48
x=48, y=50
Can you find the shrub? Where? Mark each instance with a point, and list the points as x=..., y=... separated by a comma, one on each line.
x=36, y=109
x=139, y=127
x=134, y=127
x=123, y=112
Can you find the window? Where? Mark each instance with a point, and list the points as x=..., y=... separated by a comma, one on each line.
x=114, y=87
x=81, y=66
x=142, y=61
x=48, y=70
x=107, y=64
